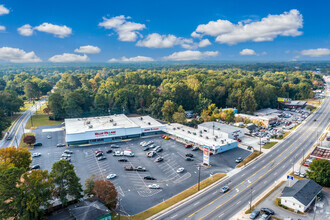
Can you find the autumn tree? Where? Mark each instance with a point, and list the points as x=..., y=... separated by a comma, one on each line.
x=105, y=191
x=18, y=157
x=66, y=181
x=30, y=139
x=168, y=110
x=180, y=115
x=46, y=110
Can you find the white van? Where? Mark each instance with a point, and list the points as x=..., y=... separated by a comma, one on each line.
x=128, y=153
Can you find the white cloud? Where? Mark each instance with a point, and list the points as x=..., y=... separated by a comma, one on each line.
x=68, y=58
x=25, y=30
x=191, y=55
x=132, y=59
x=286, y=24
x=2, y=28
x=126, y=30
x=88, y=49
x=204, y=43
x=3, y=10
x=58, y=31
x=156, y=40
x=16, y=55
x=247, y=52
x=316, y=52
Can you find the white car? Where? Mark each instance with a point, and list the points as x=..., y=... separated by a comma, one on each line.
x=65, y=155
x=143, y=143
x=180, y=170
x=49, y=137
x=68, y=152
x=36, y=154
x=111, y=176
x=154, y=186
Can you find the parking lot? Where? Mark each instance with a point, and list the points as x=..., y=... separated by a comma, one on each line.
x=131, y=186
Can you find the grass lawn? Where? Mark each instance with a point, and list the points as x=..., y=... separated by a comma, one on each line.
x=41, y=109
x=41, y=120
x=175, y=199
x=26, y=106
x=269, y=145
x=249, y=158
x=24, y=145
x=283, y=136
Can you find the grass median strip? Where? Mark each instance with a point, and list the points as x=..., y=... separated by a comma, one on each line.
x=269, y=145
x=249, y=158
x=24, y=145
x=175, y=199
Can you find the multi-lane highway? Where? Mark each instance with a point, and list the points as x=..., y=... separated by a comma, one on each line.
x=255, y=178
x=16, y=131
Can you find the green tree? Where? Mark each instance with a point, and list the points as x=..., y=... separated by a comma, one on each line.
x=168, y=110
x=35, y=194
x=180, y=115
x=31, y=90
x=89, y=185
x=66, y=181
x=10, y=102
x=55, y=102
x=230, y=115
x=319, y=171
x=4, y=123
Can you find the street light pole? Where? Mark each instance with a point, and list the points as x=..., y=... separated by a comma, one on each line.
x=199, y=176
x=251, y=199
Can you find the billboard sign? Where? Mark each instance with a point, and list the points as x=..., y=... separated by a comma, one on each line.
x=206, y=155
x=283, y=100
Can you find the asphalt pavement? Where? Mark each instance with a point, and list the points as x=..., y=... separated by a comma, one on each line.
x=256, y=178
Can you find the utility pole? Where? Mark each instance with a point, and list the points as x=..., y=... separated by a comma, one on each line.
x=260, y=145
x=31, y=119
x=199, y=176
x=315, y=208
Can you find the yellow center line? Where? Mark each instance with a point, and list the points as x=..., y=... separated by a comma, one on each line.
x=254, y=173
x=260, y=170
x=18, y=130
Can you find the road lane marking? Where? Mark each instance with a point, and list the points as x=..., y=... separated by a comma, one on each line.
x=238, y=202
x=196, y=203
x=221, y=215
x=258, y=172
x=174, y=216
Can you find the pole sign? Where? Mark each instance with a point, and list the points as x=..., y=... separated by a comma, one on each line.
x=206, y=155
x=289, y=177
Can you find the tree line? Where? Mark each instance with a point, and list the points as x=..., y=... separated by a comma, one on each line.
x=162, y=93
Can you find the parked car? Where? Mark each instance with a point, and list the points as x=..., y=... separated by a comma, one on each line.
x=158, y=149
x=163, y=136
x=237, y=139
x=128, y=153
x=111, y=176
x=265, y=217
x=60, y=145
x=189, y=159
x=195, y=148
x=49, y=137
x=109, y=151
x=238, y=160
x=180, y=170
x=140, y=168
x=152, y=146
x=154, y=186
x=98, y=151
x=37, y=144
x=302, y=175
x=267, y=211
x=35, y=167
x=65, y=155
x=225, y=189
x=129, y=168
x=188, y=146
x=114, y=146
x=151, y=154
x=189, y=155
x=36, y=154
x=146, y=148
x=149, y=178
x=254, y=214
x=68, y=152
x=117, y=153
x=167, y=137
x=99, y=154
x=123, y=160
x=101, y=158
x=159, y=159
x=66, y=158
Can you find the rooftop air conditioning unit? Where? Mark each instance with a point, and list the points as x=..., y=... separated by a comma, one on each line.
x=174, y=128
x=111, y=120
x=182, y=129
x=207, y=137
x=201, y=135
x=114, y=124
x=141, y=118
x=215, y=139
x=90, y=126
x=222, y=141
x=88, y=122
x=216, y=136
x=219, y=129
x=178, y=128
x=189, y=132
x=149, y=123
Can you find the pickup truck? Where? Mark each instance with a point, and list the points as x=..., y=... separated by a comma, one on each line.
x=139, y=168
x=129, y=168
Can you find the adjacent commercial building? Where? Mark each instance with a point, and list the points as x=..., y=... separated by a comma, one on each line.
x=201, y=137
x=221, y=130
x=264, y=121
x=301, y=195
x=109, y=128
x=292, y=104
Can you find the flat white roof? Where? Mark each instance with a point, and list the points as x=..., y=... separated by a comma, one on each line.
x=220, y=127
x=266, y=117
x=80, y=125
x=266, y=111
x=193, y=135
x=145, y=121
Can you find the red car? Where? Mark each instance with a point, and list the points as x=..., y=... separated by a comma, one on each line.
x=163, y=136
x=98, y=151
x=237, y=139
x=188, y=146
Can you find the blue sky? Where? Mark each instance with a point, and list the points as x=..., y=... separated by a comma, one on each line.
x=127, y=31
